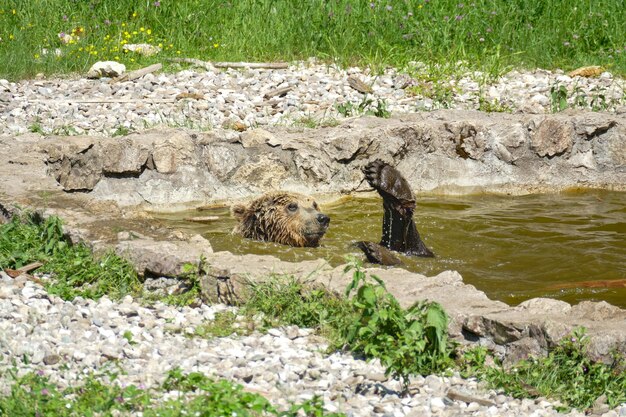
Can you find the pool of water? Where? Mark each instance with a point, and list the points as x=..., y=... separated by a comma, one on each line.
x=513, y=248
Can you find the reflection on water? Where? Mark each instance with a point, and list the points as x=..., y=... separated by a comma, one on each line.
x=513, y=248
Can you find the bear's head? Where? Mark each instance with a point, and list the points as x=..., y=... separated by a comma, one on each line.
x=287, y=218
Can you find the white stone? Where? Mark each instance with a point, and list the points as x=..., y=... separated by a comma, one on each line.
x=110, y=69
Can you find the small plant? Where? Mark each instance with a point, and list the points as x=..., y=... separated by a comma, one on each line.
x=366, y=106
x=74, y=270
x=492, y=106
x=558, y=98
x=407, y=341
x=290, y=301
x=566, y=373
x=224, y=324
x=36, y=127
x=121, y=130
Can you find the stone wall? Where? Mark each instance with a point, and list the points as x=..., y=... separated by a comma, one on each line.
x=446, y=151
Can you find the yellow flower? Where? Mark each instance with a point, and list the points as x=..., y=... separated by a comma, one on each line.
x=13, y=11
x=11, y=37
x=36, y=56
x=141, y=29
x=149, y=31
x=123, y=24
x=216, y=45
x=134, y=32
x=178, y=52
x=134, y=14
x=160, y=45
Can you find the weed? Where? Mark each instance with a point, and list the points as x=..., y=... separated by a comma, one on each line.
x=566, y=373
x=290, y=301
x=226, y=323
x=121, y=130
x=407, y=341
x=74, y=270
x=558, y=98
x=493, y=106
x=36, y=127
x=34, y=394
x=367, y=106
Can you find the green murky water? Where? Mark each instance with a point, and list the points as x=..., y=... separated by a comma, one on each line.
x=513, y=248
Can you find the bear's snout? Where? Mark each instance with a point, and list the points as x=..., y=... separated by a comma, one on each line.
x=323, y=219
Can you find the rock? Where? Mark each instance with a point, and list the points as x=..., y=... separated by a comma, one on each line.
x=171, y=152
x=256, y=137
x=553, y=137
x=144, y=49
x=109, y=69
x=163, y=258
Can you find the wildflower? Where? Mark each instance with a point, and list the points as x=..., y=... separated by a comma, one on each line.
x=575, y=36
x=156, y=4
x=372, y=5
x=458, y=17
x=489, y=30
x=460, y=5
x=65, y=18
x=134, y=14
x=40, y=372
x=216, y=45
x=119, y=399
x=149, y=31
x=107, y=22
x=11, y=37
x=389, y=8
x=481, y=40
x=567, y=44
x=45, y=391
x=13, y=11
x=446, y=18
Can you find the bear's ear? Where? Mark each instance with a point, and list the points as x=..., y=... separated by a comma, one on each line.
x=239, y=211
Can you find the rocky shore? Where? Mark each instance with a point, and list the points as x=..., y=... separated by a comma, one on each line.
x=306, y=93
x=68, y=340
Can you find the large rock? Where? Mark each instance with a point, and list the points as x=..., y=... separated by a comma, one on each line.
x=553, y=137
x=165, y=258
x=110, y=69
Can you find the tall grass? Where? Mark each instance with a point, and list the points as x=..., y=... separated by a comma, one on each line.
x=527, y=33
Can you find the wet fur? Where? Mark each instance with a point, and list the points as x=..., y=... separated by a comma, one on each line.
x=268, y=219
x=399, y=231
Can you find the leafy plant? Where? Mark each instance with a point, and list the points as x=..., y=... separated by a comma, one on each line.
x=286, y=300
x=566, y=373
x=74, y=270
x=224, y=324
x=407, y=341
x=558, y=98
x=366, y=106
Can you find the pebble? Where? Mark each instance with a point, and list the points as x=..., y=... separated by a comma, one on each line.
x=237, y=98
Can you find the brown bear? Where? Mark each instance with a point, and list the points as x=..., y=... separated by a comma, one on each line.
x=282, y=217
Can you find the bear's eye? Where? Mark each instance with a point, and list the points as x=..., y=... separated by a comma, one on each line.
x=292, y=207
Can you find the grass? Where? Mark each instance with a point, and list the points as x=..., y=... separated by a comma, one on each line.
x=75, y=271
x=485, y=34
x=198, y=395
x=565, y=373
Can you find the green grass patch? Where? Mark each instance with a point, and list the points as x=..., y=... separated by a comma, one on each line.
x=566, y=373
x=485, y=34
x=35, y=395
x=74, y=270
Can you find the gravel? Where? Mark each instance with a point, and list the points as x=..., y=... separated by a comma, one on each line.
x=66, y=340
x=206, y=99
